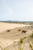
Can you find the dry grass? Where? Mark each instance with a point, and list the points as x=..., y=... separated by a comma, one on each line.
x=19, y=43
x=31, y=45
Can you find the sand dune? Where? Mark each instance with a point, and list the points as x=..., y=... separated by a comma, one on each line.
x=7, y=37
x=5, y=26
x=14, y=33
x=25, y=45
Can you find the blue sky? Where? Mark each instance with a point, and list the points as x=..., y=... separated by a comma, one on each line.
x=16, y=10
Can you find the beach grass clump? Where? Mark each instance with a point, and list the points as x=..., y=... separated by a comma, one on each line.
x=31, y=35
x=24, y=38
x=19, y=48
x=1, y=47
x=21, y=41
x=31, y=45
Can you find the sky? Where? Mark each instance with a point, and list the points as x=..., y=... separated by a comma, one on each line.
x=16, y=10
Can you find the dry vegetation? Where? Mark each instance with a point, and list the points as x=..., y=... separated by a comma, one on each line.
x=21, y=42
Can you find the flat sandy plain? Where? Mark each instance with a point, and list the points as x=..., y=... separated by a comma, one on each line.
x=7, y=38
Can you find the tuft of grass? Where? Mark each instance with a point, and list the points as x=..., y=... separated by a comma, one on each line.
x=31, y=45
x=19, y=48
x=14, y=41
x=21, y=41
x=1, y=47
x=31, y=35
x=24, y=38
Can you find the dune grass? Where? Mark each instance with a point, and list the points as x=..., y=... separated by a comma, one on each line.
x=20, y=42
x=31, y=45
x=31, y=35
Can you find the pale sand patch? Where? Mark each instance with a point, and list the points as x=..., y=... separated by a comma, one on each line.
x=5, y=42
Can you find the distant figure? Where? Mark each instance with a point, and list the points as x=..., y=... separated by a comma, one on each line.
x=19, y=30
x=24, y=31
x=8, y=30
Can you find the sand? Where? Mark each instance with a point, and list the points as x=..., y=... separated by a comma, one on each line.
x=5, y=26
x=7, y=38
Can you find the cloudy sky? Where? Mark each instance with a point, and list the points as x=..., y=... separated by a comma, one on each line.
x=16, y=10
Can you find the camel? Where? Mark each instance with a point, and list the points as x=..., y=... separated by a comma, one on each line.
x=19, y=30
x=8, y=30
x=23, y=31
